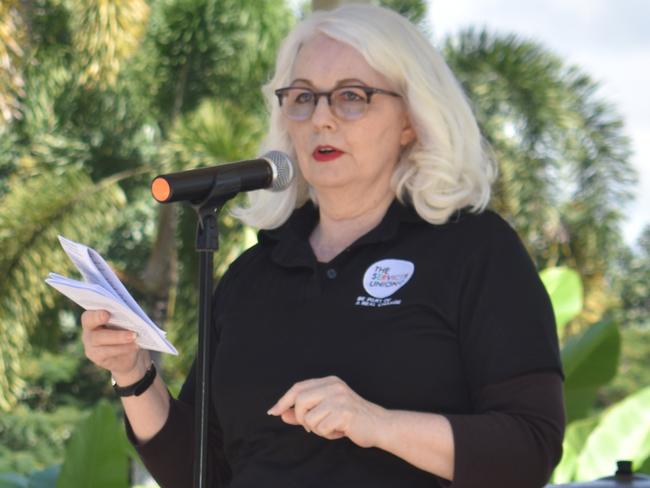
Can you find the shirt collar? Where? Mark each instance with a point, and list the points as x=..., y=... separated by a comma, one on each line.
x=290, y=241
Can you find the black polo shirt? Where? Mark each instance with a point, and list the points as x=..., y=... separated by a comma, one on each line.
x=450, y=319
x=411, y=316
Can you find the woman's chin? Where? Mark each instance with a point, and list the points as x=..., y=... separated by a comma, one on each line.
x=327, y=180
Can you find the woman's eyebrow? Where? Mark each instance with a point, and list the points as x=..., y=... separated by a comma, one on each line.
x=344, y=82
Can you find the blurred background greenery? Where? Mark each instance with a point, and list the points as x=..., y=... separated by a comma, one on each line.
x=98, y=96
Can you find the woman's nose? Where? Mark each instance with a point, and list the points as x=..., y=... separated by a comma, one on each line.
x=323, y=115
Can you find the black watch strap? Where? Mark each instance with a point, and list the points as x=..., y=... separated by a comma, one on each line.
x=139, y=387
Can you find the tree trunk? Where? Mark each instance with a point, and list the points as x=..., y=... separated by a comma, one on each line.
x=160, y=277
x=161, y=274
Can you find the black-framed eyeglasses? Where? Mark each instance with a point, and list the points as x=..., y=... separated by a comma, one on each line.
x=347, y=102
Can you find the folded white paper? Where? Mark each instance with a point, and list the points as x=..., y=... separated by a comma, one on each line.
x=103, y=290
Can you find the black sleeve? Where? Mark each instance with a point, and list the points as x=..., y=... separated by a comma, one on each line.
x=510, y=354
x=169, y=455
x=506, y=326
x=514, y=440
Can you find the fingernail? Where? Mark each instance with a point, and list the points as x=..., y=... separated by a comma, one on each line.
x=308, y=431
x=270, y=411
x=134, y=336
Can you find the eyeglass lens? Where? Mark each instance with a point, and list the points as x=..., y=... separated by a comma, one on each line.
x=346, y=102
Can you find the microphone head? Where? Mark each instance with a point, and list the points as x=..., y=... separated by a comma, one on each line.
x=282, y=170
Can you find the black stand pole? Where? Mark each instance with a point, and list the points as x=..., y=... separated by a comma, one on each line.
x=207, y=242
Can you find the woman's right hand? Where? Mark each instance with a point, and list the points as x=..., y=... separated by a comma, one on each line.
x=113, y=349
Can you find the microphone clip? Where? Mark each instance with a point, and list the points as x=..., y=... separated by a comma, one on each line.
x=207, y=234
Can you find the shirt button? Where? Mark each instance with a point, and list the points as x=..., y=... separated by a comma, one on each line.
x=331, y=273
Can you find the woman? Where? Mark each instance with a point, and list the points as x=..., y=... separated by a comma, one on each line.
x=385, y=331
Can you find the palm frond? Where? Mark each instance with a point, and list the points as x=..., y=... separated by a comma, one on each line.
x=12, y=36
x=217, y=131
x=563, y=158
x=105, y=34
x=32, y=213
x=213, y=48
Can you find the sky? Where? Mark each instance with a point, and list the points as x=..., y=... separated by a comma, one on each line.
x=608, y=39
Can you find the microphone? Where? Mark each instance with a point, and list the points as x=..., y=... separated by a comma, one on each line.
x=273, y=170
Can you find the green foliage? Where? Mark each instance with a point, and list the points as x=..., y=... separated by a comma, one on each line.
x=217, y=131
x=49, y=20
x=104, y=34
x=132, y=238
x=59, y=390
x=9, y=154
x=40, y=479
x=565, y=289
x=95, y=102
x=12, y=35
x=83, y=211
x=575, y=438
x=88, y=112
x=213, y=48
x=414, y=10
x=48, y=81
x=595, y=440
x=97, y=453
x=632, y=281
x=33, y=439
x=633, y=368
x=64, y=377
x=620, y=432
x=565, y=174
x=590, y=361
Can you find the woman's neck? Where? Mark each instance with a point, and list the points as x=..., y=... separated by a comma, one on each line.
x=343, y=222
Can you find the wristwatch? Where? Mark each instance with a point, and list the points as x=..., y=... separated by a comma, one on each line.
x=139, y=387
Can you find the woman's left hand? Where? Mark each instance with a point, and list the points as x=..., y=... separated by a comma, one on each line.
x=330, y=408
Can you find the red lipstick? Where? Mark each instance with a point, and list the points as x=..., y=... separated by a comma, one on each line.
x=326, y=153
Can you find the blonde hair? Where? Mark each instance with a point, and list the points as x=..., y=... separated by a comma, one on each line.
x=446, y=168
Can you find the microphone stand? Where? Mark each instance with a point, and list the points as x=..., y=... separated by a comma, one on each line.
x=207, y=242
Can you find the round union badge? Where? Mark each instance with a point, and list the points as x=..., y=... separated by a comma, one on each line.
x=385, y=277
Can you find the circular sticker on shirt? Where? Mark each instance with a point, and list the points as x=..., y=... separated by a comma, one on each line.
x=385, y=277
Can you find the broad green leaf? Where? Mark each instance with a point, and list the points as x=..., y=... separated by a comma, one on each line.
x=622, y=433
x=565, y=289
x=579, y=402
x=590, y=360
x=96, y=453
x=575, y=438
x=642, y=458
x=643, y=466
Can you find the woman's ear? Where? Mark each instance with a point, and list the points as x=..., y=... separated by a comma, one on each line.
x=408, y=133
